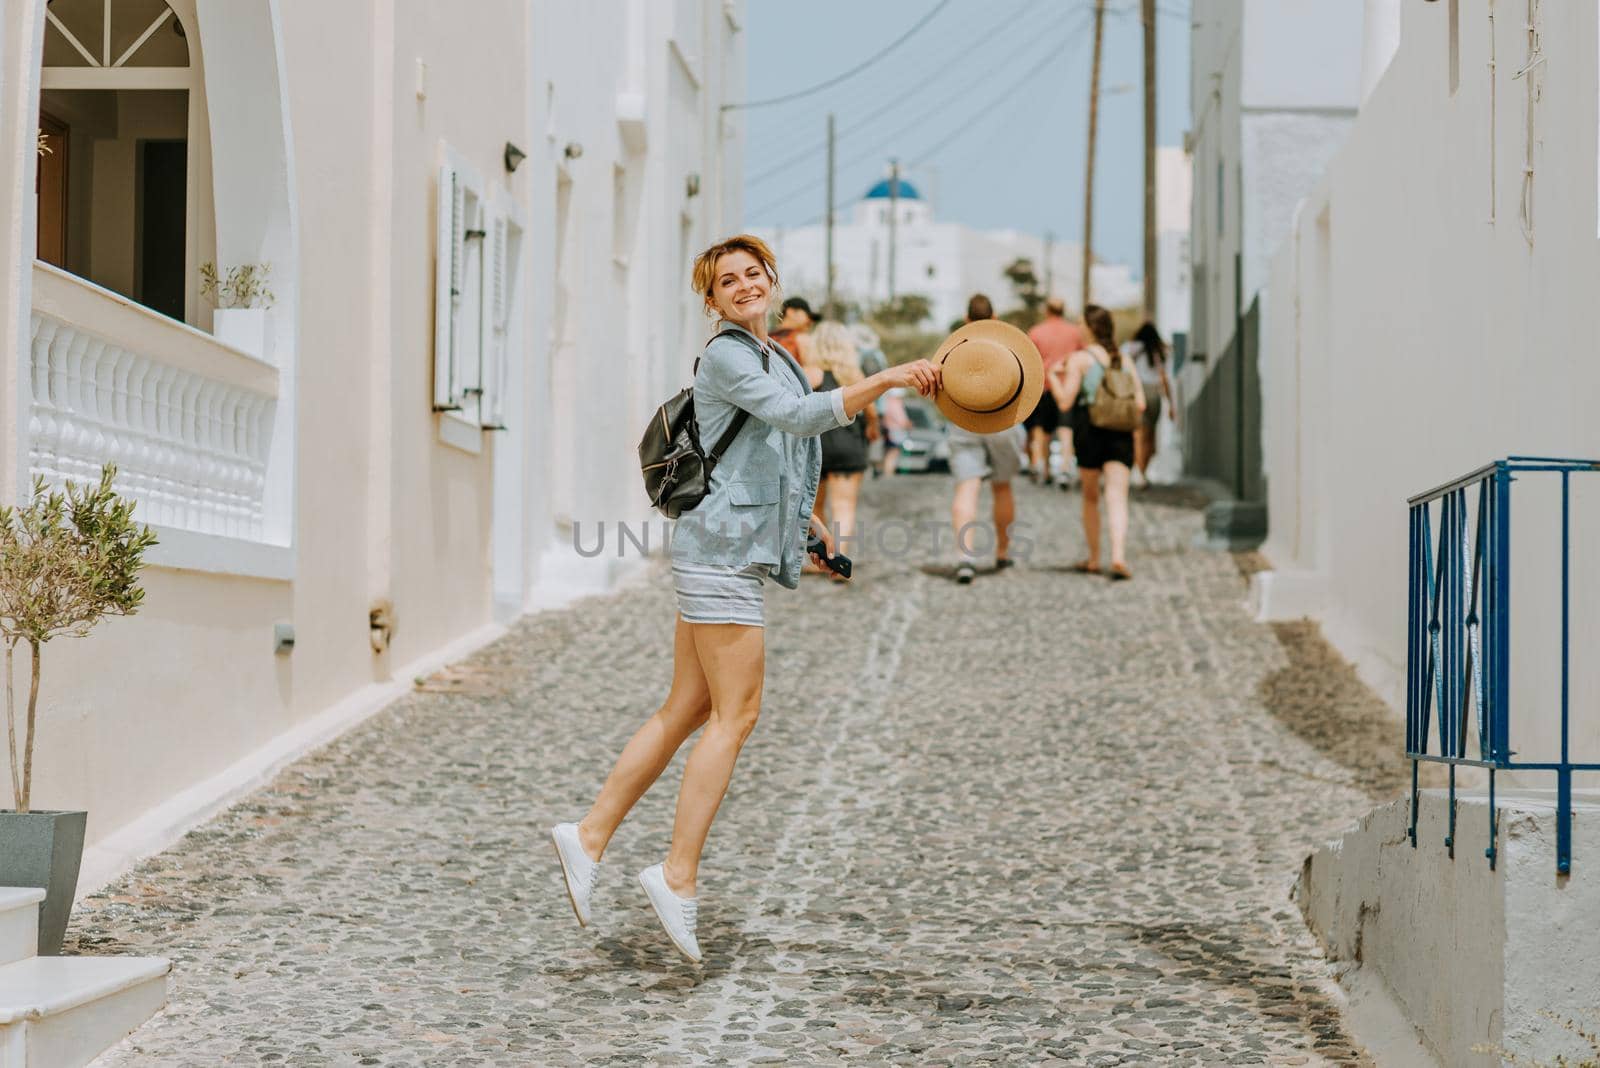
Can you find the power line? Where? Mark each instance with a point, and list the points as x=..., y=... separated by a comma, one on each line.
x=888, y=78
x=857, y=69
x=964, y=20
x=1008, y=122
x=1054, y=51
x=937, y=72
x=967, y=126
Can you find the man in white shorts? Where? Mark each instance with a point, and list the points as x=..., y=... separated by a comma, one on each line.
x=997, y=454
x=972, y=456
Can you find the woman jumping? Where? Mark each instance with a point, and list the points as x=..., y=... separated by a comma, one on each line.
x=752, y=524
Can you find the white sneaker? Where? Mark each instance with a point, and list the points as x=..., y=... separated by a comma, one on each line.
x=677, y=914
x=576, y=867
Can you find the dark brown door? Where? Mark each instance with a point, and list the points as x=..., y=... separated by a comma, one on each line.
x=163, y=213
x=51, y=185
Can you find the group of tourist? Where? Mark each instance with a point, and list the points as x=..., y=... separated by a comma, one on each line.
x=787, y=480
x=1075, y=358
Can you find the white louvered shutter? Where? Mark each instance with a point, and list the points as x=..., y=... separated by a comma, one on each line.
x=448, y=270
x=473, y=329
x=504, y=313
x=496, y=315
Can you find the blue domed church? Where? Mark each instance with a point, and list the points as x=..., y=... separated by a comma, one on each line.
x=946, y=262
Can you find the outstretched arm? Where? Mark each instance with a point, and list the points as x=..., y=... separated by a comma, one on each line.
x=731, y=372
x=920, y=375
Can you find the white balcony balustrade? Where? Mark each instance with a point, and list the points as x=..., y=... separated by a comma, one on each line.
x=187, y=420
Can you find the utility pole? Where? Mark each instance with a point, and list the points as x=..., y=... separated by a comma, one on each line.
x=1147, y=13
x=1049, y=264
x=894, y=212
x=1088, y=180
x=827, y=301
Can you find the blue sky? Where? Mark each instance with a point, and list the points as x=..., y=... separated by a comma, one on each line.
x=987, y=104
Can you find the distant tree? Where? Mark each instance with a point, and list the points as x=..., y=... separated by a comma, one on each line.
x=1025, y=284
x=1021, y=318
x=906, y=310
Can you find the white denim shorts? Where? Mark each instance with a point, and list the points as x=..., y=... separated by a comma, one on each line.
x=721, y=593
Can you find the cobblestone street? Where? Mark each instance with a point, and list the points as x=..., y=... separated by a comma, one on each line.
x=1040, y=817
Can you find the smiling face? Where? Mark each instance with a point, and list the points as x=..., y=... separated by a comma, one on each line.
x=741, y=289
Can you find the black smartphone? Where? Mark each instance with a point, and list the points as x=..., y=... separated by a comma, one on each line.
x=838, y=563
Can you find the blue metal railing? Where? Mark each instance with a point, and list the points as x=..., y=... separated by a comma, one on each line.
x=1458, y=636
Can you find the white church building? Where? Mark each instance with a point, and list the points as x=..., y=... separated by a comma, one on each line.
x=943, y=261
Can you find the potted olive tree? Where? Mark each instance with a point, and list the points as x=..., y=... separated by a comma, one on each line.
x=66, y=562
x=241, y=297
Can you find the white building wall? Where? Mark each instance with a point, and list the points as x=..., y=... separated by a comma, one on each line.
x=1430, y=326
x=944, y=261
x=1174, y=204
x=1215, y=69
x=1275, y=84
x=153, y=720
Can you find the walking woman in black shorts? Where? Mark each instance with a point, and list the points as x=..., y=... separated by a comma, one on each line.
x=834, y=362
x=1104, y=456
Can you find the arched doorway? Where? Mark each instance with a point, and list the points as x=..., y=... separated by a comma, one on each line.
x=124, y=187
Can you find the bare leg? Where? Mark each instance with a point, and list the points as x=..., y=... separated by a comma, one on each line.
x=1144, y=447
x=651, y=748
x=1005, y=513
x=1064, y=436
x=891, y=460
x=734, y=659
x=1116, y=477
x=963, y=510
x=844, y=491
x=1091, y=513
x=1039, y=453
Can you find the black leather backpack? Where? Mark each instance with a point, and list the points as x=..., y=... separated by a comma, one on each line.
x=677, y=471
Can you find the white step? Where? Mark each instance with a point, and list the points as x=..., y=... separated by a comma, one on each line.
x=19, y=922
x=62, y=1012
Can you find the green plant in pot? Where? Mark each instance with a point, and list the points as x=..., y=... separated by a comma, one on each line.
x=67, y=560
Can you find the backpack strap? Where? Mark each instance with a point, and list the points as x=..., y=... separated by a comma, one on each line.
x=740, y=415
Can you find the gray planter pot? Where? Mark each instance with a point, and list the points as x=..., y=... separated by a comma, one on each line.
x=44, y=849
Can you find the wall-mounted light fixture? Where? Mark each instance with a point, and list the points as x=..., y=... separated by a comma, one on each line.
x=691, y=186
x=513, y=157
x=573, y=150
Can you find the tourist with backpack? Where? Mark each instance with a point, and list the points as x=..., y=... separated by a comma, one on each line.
x=740, y=460
x=1106, y=399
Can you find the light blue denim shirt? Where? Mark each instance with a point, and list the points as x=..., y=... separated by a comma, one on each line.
x=758, y=507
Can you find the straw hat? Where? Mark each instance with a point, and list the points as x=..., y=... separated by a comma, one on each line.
x=991, y=376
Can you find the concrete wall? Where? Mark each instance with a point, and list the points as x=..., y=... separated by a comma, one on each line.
x=329, y=122
x=1434, y=313
x=1473, y=958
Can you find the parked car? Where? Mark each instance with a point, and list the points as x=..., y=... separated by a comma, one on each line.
x=927, y=444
